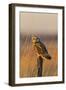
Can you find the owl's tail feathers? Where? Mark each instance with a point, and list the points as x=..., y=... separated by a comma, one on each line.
x=47, y=56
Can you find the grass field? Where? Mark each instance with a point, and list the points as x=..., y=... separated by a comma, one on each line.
x=28, y=59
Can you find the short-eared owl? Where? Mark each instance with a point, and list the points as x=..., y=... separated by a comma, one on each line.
x=40, y=48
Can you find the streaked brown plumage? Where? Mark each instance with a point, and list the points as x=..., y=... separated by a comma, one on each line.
x=40, y=48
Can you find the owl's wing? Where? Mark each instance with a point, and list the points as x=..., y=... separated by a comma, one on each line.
x=42, y=50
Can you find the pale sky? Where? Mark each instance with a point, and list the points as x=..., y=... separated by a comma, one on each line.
x=32, y=23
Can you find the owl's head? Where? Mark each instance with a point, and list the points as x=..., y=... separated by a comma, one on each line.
x=35, y=39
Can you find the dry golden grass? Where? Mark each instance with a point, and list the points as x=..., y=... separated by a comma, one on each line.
x=28, y=60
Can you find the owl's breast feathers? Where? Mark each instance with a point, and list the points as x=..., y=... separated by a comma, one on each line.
x=41, y=50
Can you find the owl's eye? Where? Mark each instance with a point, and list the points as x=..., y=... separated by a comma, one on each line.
x=38, y=40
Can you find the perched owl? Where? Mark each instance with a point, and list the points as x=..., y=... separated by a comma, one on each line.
x=40, y=48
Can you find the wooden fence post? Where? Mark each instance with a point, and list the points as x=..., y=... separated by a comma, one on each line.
x=39, y=66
